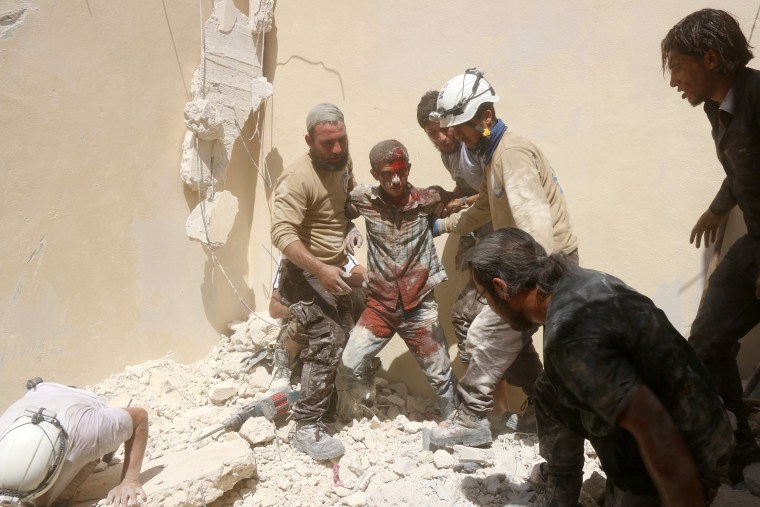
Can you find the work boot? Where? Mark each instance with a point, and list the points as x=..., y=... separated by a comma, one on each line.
x=525, y=422
x=281, y=372
x=313, y=439
x=463, y=428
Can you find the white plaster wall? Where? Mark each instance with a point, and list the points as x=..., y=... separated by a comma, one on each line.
x=96, y=271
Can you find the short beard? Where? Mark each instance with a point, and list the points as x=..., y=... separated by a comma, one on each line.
x=326, y=165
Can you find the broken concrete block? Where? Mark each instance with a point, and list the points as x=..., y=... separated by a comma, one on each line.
x=595, y=487
x=466, y=454
x=356, y=500
x=261, y=13
x=257, y=430
x=493, y=483
x=261, y=89
x=222, y=391
x=203, y=162
x=203, y=119
x=443, y=459
x=403, y=465
x=396, y=400
x=400, y=388
x=218, y=214
x=729, y=497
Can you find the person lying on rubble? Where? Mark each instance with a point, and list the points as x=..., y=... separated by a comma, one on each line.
x=616, y=373
x=403, y=270
x=53, y=437
x=285, y=356
x=519, y=189
x=309, y=226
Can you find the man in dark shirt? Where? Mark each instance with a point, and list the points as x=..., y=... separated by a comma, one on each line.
x=706, y=54
x=403, y=270
x=616, y=373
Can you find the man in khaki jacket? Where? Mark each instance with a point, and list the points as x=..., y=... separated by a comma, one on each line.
x=309, y=227
x=519, y=189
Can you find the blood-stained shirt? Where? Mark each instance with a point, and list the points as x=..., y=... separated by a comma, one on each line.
x=401, y=256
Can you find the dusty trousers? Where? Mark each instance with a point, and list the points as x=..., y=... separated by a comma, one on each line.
x=729, y=311
x=324, y=321
x=422, y=333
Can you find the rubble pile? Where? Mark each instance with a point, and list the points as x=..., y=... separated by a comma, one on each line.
x=386, y=460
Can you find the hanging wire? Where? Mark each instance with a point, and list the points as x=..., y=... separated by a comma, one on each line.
x=753, y=24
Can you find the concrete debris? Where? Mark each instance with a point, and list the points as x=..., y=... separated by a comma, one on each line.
x=383, y=465
x=257, y=430
x=222, y=391
x=204, y=120
x=728, y=497
x=227, y=86
x=261, y=13
x=212, y=219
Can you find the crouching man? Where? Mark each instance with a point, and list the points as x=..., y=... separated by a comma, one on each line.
x=52, y=438
x=616, y=373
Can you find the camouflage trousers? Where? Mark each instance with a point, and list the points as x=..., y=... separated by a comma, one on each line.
x=322, y=323
x=422, y=333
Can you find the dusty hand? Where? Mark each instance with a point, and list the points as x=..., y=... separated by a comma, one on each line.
x=331, y=278
x=707, y=225
x=352, y=241
x=127, y=493
x=451, y=207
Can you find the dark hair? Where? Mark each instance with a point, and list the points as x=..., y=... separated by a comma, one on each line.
x=513, y=255
x=705, y=30
x=482, y=108
x=386, y=152
x=428, y=104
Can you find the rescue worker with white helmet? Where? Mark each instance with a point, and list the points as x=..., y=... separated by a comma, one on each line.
x=52, y=438
x=519, y=189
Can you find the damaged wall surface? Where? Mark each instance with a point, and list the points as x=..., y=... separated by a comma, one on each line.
x=98, y=271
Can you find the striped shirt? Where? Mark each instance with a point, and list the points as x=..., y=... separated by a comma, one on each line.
x=401, y=256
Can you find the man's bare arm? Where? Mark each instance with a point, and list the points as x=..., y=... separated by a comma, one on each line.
x=127, y=492
x=663, y=449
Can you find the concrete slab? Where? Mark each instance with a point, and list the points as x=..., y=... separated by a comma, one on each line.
x=184, y=478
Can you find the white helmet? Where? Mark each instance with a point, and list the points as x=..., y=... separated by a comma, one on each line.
x=31, y=452
x=461, y=96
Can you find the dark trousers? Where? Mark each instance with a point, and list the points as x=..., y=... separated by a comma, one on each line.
x=325, y=321
x=730, y=310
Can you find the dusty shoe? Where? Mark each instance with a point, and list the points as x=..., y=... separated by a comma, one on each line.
x=525, y=422
x=462, y=428
x=281, y=372
x=313, y=439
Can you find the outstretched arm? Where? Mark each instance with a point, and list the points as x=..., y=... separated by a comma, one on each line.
x=661, y=445
x=127, y=492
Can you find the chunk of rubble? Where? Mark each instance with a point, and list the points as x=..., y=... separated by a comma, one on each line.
x=212, y=219
x=222, y=391
x=728, y=497
x=258, y=430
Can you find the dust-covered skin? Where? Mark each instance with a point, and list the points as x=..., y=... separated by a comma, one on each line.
x=422, y=333
x=602, y=342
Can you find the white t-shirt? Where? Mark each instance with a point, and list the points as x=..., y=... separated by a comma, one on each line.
x=94, y=429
